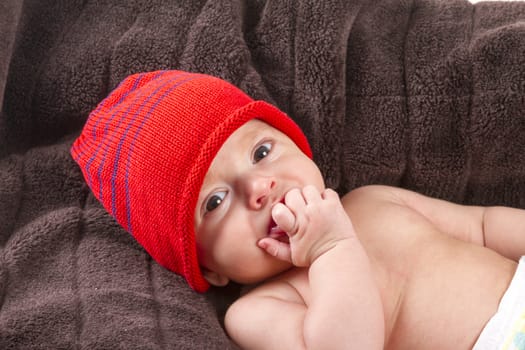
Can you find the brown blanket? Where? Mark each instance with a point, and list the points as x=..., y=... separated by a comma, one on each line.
x=424, y=94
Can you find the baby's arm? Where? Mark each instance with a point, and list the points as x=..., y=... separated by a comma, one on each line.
x=269, y=317
x=344, y=309
x=499, y=228
x=504, y=231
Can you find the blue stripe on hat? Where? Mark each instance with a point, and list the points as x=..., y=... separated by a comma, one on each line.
x=119, y=147
x=81, y=153
x=106, y=135
x=133, y=88
x=140, y=101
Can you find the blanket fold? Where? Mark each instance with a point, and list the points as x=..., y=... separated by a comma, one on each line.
x=424, y=94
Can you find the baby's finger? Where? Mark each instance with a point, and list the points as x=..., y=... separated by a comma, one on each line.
x=329, y=194
x=276, y=248
x=311, y=194
x=283, y=217
x=294, y=200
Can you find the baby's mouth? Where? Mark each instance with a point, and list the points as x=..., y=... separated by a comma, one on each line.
x=277, y=233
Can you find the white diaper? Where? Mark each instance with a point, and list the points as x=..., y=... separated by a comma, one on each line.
x=506, y=329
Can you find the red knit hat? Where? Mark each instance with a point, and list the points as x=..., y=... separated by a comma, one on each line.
x=146, y=148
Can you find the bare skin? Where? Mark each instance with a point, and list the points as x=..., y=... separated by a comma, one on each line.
x=380, y=268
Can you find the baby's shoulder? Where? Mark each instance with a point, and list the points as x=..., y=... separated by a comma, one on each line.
x=374, y=206
x=376, y=197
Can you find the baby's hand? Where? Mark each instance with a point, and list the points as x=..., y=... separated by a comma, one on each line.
x=315, y=223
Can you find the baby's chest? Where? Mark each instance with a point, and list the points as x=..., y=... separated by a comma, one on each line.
x=425, y=280
x=443, y=297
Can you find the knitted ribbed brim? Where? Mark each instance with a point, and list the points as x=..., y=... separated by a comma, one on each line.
x=146, y=148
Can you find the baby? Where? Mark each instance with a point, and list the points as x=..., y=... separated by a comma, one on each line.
x=218, y=187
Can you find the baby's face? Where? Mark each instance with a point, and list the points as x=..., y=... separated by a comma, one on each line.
x=253, y=170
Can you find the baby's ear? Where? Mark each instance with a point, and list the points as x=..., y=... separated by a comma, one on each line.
x=214, y=278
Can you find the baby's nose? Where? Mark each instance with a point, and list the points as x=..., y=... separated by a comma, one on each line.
x=258, y=190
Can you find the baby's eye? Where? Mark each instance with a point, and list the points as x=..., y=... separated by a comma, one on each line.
x=262, y=151
x=215, y=200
